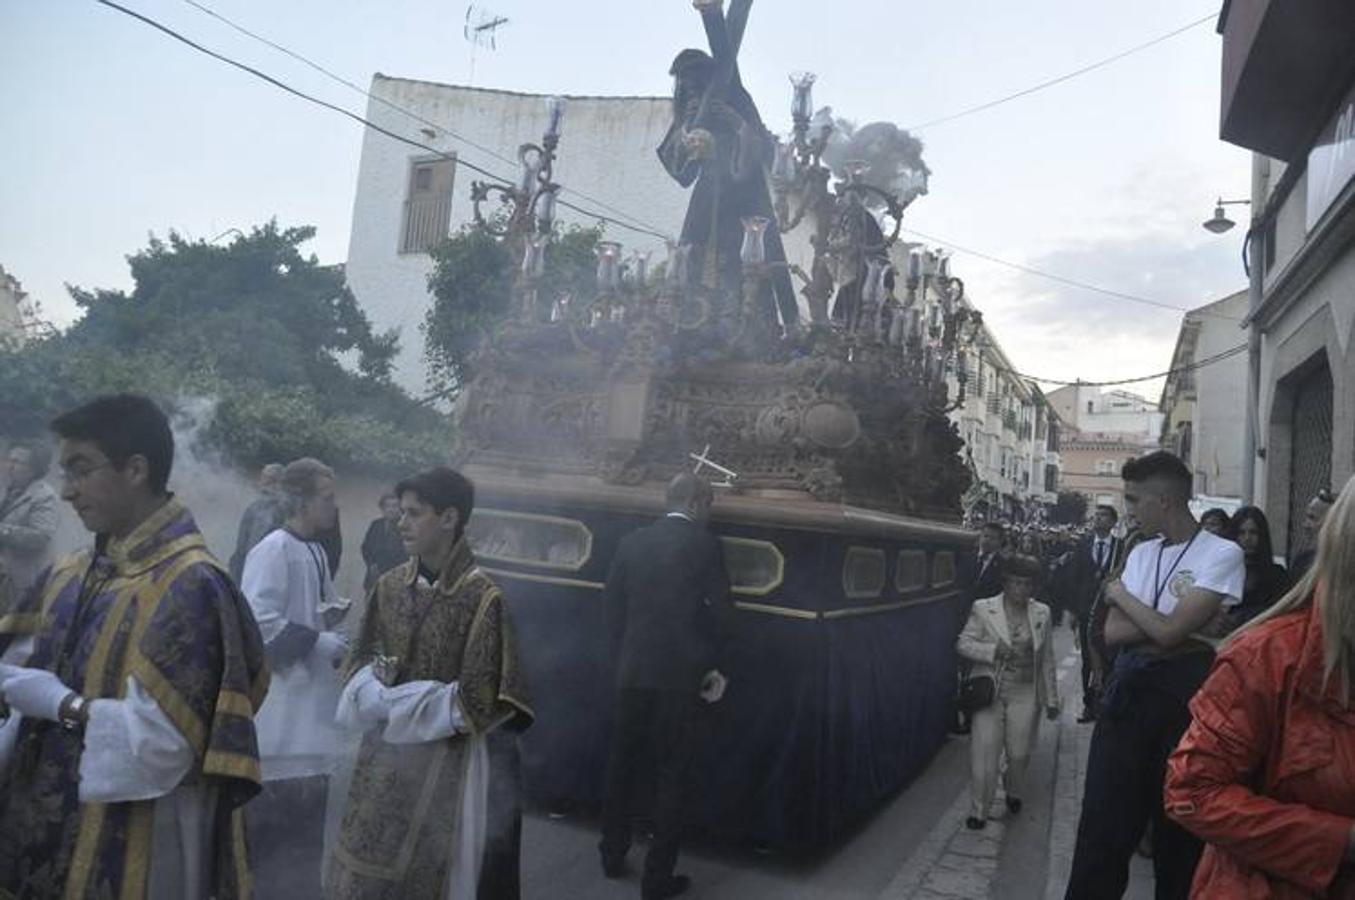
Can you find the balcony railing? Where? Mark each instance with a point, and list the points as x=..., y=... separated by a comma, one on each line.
x=428, y=219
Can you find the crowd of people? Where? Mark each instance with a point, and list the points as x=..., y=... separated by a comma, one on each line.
x=1218, y=681
x=175, y=727
x=171, y=727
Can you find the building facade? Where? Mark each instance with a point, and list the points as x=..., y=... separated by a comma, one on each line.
x=1288, y=95
x=1093, y=410
x=407, y=199
x=1092, y=463
x=1012, y=437
x=1203, y=403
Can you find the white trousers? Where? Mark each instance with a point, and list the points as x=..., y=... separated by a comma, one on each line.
x=1010, y=722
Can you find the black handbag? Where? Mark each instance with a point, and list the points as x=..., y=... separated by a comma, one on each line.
x=977, y=693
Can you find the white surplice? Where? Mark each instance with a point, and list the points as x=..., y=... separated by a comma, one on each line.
x=286, y=581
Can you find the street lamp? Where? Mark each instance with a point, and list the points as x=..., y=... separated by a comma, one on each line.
x=1220, y=222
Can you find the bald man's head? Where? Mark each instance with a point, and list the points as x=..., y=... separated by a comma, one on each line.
x=690, y=495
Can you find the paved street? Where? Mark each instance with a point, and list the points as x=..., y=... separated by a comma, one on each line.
x=915, y=848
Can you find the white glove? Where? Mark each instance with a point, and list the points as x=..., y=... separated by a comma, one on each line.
x=331, y=647
x=36, y=693
x=371, y=703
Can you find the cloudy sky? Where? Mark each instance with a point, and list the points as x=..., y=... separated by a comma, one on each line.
x=113, y=131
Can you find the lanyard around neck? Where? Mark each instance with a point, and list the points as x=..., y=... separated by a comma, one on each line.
x=1158, y=586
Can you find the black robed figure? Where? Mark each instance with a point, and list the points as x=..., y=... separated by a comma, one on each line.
x=718, y=143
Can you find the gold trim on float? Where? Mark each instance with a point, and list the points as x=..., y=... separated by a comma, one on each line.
x=768, y=609
x=543, y=579
x=853, y=611
x=759, y=590
x=858, y=593
x=573, y=524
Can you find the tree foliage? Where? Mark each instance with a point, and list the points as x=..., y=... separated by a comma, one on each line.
x=276, y=339
x=472, y=288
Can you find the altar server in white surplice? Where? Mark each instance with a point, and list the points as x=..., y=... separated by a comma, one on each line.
x=286, y=579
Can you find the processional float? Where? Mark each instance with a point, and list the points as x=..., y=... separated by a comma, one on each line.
x=839, y=473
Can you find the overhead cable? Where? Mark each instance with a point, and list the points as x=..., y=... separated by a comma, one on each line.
x=459, y=138
x=441, y=154
x=1071, y=282
x=1191, y=367
x=1062, y=78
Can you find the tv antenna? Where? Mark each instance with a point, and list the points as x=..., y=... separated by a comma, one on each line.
x=481, y=30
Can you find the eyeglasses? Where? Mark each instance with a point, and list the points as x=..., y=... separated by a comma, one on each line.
x=79, y=475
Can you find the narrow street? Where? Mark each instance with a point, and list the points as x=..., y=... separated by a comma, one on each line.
x=914, y=848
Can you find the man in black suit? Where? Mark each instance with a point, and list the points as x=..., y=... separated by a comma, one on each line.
x=667, y=599
x=987, y=565
x=1093, y=559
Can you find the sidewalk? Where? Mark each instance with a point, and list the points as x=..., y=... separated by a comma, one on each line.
x=1018, y=857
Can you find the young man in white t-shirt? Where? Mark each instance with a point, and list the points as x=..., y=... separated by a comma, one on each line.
x=1172, y=589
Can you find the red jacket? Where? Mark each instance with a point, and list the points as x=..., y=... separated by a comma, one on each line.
x=1266, y=773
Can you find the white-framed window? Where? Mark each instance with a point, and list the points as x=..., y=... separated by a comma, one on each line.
x=427, y=215
x=1107, y=467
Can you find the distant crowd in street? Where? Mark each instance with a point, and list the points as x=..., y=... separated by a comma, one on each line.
x=1218, y=679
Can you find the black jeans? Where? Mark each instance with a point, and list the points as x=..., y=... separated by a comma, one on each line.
x=654, y=730
x=1125, y=771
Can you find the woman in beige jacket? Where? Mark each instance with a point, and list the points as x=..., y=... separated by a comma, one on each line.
x=1008, y=638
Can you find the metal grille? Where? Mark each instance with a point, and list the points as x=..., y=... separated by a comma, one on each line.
x=1310, y=457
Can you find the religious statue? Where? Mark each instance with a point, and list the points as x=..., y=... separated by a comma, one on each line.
x=718, y=143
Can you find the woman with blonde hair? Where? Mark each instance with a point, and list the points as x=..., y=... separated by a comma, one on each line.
x=1266, y=772
x=1007, y=639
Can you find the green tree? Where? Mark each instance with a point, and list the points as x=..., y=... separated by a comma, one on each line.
x=274, y=337
x=472, y=288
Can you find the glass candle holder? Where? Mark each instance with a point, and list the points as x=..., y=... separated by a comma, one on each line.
x=609, y=265
x=754, y=249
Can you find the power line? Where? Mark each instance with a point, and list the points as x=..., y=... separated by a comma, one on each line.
x=441, y=154
x=1191, y=367
x=562, y=202
x=1062, y=78
x=488, y=151
x=1071, y=282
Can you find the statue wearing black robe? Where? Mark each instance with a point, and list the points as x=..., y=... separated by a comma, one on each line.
x=724, y=155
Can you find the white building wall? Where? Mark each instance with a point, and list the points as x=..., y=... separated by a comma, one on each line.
x=1220, y=417
x=607, y=151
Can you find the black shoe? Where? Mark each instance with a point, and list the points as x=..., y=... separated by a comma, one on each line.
x=665, y=886
x=1013, y=805
x=975, y=824
x=614, y=867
